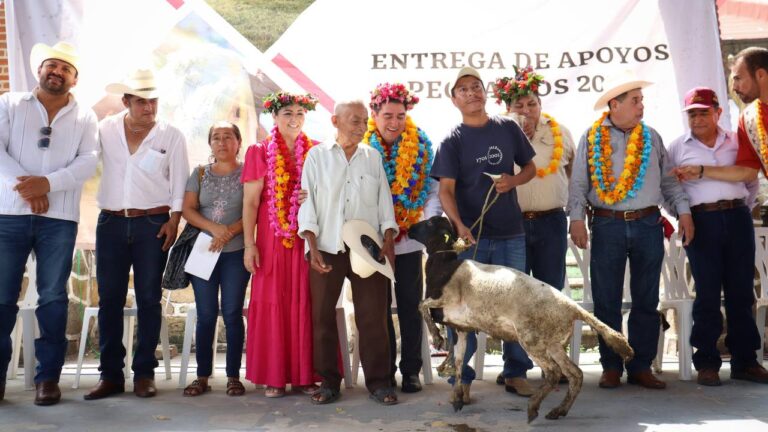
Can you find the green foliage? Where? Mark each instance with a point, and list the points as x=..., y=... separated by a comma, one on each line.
x=260, y=21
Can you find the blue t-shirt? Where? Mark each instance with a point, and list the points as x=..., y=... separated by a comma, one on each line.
x=466, y=153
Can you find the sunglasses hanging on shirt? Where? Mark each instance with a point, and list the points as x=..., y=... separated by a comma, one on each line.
x=45, y=141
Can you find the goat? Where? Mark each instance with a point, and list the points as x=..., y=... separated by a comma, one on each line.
x=506, y=304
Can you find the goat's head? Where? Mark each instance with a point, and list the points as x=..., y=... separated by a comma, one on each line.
x=436, y=233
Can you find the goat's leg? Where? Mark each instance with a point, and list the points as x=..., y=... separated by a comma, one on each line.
x=437, y=339
x=575, y=380
x=551, y=376
x=460, y=395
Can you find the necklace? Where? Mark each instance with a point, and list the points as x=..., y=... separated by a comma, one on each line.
x=557, y=148
x=762, y=145
x=137, y=130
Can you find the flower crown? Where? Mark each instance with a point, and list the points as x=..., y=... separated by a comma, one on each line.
x=397, y=92
x=525, y=82
x=274, y=102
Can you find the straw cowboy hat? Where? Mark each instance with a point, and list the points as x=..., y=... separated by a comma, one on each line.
x=63, y=51
x=364, y=247
x=618, y=84
x=140, y=82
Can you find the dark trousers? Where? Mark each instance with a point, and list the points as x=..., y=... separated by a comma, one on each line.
x=546, y=242
x=369, y=296
x=121, y=243
x=613, y=242
x=53, y=241
x=409, y=290
x=722, y=256
x=231, y=278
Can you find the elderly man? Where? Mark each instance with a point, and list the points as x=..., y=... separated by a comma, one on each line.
x=621, y=175
x=722, y=255
x=483, y=145
x=143, y=179
x=405, y=150
x=48, y=148
x=346, y=181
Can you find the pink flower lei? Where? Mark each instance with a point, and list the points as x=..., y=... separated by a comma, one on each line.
x=284, y=183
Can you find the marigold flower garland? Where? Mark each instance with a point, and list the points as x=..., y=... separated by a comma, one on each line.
x=407, y=164
x=284, y=183
x=557, y=149
x=762, y=136
x=636, y=159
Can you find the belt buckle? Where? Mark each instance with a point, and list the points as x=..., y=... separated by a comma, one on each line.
x=125, y=212
x=631, y=215
x=724, y=204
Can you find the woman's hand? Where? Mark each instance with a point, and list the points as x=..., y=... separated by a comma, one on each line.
x=251, y=258
x=221, y=236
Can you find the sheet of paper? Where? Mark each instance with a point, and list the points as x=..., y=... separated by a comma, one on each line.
x=201, y=261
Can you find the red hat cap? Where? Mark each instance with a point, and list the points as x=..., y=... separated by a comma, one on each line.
x=700, y=97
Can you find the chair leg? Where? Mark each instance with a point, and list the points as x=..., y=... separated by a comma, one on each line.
x=189, y=334
x=426, y=358
x=128, y=321
x=576, y=341
x=480, y=355
x=89, y=313
x=28, y=334
x=165, y=344
x=685, y=352
x=215, y=345
x=13, y=366
x=356, y=356
x=341, y=327
x=659, y=360
x=760, y=321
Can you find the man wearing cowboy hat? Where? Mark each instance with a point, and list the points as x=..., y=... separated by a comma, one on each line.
x=346, y=181
x=621, y=175
x=722, y=256
x=143, y=179
x=48, y=149
x=483, y=145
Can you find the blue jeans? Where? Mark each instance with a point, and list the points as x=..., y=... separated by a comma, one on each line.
x=53, y=241
x=722, y=256
x=510, y=253
x=121, y=243
x=613, y=242
x=230, y=275
x=546, y=241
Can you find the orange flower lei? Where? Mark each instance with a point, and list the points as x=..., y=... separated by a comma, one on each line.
x=762, y=136
x=557, y=150
x=635, y=162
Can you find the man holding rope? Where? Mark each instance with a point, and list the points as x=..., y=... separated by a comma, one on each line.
x=475, y=164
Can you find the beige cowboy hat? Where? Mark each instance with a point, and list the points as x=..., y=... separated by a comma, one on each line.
x=140, y=82
x=618, y=84
x=63, y=51
x=364, y=247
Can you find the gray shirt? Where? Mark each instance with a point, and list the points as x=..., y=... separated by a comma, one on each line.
x=221, y=200
x=659, y=187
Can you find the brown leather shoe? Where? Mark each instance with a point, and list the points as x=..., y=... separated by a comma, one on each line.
x=709, y=377
x=48, y=393
x=144, y=388
x=105, y=388
x=610, y=378
x=646, y=379
x=755, y=373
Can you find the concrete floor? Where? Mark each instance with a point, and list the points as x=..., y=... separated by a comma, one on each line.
x=684, y=406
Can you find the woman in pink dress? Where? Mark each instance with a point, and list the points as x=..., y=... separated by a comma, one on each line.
x=279, y=340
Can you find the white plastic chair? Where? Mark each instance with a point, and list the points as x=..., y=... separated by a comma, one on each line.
x=26, y=333
x=129, y=317
x=677, y=295
x=426, y=367
x=761, y=296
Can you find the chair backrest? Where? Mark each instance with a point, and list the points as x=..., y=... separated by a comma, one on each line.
x=674, y=272
x=582, y=260
x=761, y=261
x=30, y=296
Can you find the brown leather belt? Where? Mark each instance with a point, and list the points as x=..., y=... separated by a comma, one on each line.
x=627, y=215
x=530, y=215
x=131, y=213
x=719, y=205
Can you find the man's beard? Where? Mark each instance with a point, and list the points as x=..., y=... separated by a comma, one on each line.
x=54, y=88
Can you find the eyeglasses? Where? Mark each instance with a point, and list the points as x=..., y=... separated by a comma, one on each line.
x=45, y=141
x=474, y=88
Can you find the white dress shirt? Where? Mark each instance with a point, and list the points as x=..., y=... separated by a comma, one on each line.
x=154, y=176
x=688, y=150
x=341, y=190
x=67, y=163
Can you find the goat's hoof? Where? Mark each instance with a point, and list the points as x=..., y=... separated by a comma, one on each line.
x=465, y=393
x=458, y=404
x=532, y=414
x=439, y=343
x=556, y=413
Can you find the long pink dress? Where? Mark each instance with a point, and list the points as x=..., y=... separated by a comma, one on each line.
x=279, y=340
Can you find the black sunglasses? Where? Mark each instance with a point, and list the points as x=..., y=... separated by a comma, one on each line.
x=45, y=141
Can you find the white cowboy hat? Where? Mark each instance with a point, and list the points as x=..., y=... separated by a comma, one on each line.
x=140, y=82
x=618, y=84
x=63, y=51
x=364, y=247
